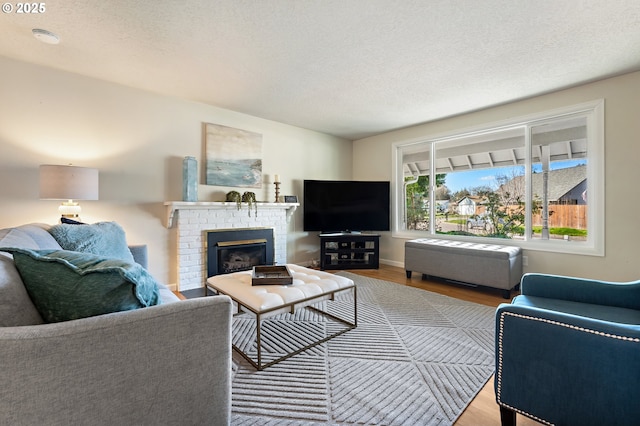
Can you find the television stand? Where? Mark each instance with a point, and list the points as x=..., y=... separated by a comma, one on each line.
x=349, y=251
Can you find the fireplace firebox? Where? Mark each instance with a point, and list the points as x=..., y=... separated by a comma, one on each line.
x=233, y=250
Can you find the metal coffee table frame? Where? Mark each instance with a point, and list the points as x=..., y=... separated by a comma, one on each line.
x=307, y=303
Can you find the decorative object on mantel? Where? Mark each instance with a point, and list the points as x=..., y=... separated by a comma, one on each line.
x=276, y=182
x=234, y=157
x=290, y=198
x=189, y=179
x=248, y=197
x=68, y=183
x=234, y=197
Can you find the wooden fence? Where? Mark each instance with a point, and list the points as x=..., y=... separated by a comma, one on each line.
x=564, y=216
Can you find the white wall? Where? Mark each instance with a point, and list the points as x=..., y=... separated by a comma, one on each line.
x=137, y=140
x=372, y=160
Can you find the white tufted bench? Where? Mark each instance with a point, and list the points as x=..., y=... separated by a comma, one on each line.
x=488, y=265
x=308, y=288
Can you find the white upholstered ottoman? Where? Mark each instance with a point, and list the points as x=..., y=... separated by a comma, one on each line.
x=308, y=288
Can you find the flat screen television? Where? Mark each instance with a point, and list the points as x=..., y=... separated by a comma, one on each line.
x=346, y=206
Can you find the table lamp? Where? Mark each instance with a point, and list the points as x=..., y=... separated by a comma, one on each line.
x=68, y=183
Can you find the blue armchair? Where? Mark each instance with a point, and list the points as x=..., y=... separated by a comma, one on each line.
x=568, y=352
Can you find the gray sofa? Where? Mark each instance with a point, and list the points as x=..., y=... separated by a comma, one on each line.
x=168, y=364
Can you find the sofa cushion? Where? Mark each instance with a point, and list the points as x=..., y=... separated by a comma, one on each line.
x=39, y=232
x=32, y=236
x=106, y=239
x=166, y=295
x=66, y=285
x=16, y=308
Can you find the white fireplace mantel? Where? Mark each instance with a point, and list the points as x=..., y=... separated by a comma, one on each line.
x=174, y=206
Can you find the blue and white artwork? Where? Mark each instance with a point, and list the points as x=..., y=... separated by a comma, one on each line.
x=234, y=157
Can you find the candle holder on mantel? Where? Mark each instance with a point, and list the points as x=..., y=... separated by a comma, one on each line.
x=277, y=184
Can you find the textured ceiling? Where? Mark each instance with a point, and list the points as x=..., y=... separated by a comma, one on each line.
x=350, y=68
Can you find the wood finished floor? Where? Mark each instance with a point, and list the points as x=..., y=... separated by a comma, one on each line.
x=483, y=410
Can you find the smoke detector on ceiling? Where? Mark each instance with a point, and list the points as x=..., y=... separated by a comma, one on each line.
x=45, y=36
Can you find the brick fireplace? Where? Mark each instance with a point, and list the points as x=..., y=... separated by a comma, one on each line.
x=193, y=221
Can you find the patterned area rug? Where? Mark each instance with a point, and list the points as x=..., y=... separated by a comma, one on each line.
x=416, y=358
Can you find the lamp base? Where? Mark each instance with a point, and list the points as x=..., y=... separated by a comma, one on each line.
x=70, y=210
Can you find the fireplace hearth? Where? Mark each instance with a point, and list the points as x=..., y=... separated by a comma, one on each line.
x=233, y=250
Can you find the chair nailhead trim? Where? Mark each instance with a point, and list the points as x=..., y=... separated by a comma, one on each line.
x=548, y=321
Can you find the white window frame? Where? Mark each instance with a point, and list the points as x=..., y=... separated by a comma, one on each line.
x=595, y=244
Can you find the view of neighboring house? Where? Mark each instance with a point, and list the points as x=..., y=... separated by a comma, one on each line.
x=468, y=206
x=566, y=198
x=564, y=186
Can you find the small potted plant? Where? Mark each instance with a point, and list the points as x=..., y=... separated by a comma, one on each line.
x=248, y=197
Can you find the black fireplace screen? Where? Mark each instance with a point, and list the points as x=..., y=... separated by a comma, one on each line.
x=238, y=250
x=241, y=257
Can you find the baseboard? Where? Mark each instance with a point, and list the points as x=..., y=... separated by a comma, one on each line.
x=392, y=263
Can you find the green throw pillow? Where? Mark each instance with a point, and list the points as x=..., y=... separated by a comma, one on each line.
x=106, y=239
x=66, y=285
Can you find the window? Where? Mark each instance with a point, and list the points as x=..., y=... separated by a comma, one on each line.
x=536, y=181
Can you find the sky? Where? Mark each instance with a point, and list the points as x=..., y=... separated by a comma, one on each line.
x=487, y=177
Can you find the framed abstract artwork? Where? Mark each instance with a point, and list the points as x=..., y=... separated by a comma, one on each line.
x=233, y=157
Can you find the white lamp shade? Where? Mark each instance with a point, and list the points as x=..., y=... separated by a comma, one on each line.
x=68, y=183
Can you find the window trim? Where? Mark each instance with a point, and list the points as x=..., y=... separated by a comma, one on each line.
x=595, y=244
